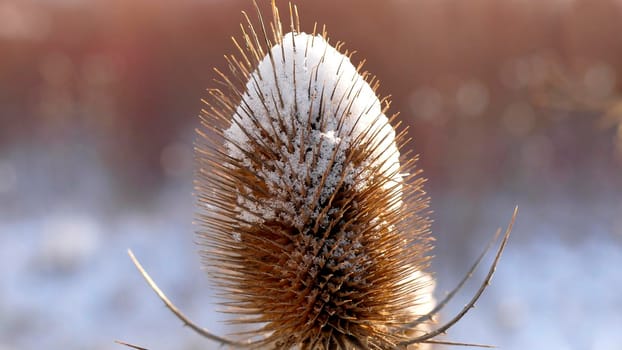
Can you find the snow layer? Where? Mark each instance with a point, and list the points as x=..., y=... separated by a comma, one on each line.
x=306, y=95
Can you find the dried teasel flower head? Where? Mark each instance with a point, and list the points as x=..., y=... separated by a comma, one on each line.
x=314, y=228
x=311, y=224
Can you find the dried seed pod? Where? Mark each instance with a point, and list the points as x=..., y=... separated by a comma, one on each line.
x=312, y=226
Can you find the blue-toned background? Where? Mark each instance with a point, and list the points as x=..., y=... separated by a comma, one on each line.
x=509, y=103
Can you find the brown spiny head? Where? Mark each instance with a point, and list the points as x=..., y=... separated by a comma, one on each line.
x=311, y=225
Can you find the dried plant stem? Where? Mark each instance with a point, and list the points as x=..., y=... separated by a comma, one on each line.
x=186, y=321
x=471, y=304
x=430, y=315
x=130, y=345
x=451, y=343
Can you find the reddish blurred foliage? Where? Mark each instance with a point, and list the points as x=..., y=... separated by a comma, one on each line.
x=478, y=81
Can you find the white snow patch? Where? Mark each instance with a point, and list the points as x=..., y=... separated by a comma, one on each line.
x=305, y=76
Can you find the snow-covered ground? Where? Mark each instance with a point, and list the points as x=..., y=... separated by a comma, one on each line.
x=548, y=294
x=67, y=283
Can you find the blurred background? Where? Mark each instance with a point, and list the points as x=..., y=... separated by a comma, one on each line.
x=514, y=102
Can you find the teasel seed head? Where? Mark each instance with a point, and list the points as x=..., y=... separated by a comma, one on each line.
x=313, y=227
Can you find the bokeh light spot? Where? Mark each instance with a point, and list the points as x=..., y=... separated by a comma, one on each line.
x=519, y=118
x=600, y=80
x=472, y=98
x=426, y=103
